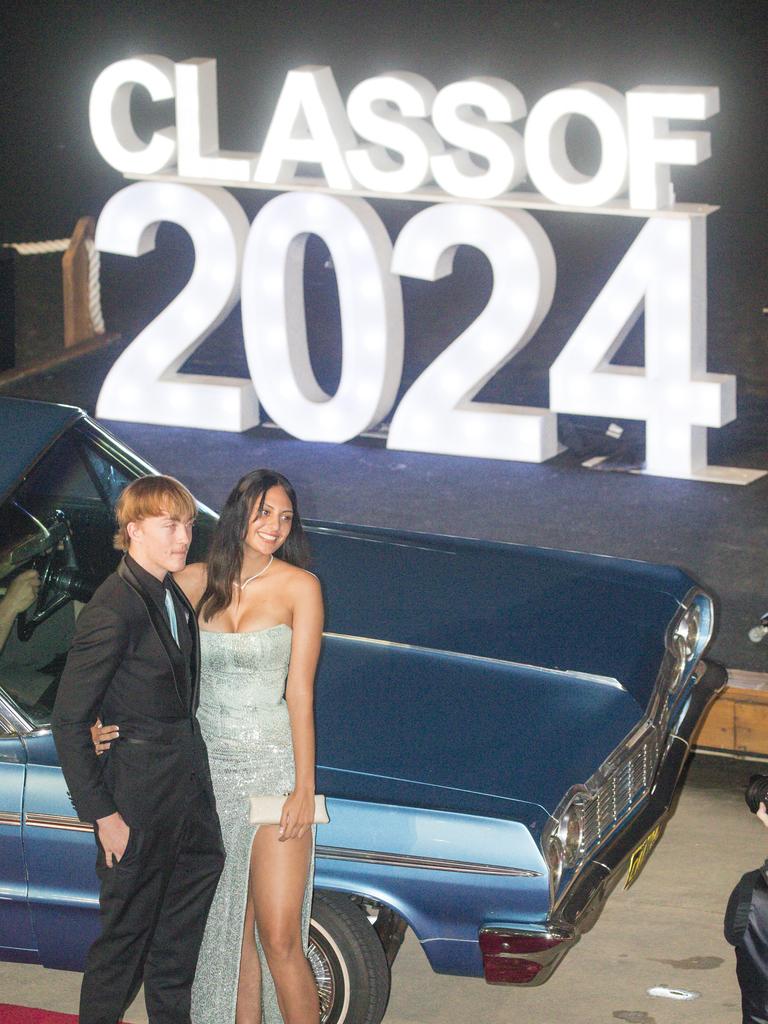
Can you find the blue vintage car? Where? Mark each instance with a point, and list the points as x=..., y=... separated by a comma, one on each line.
x=500, y=729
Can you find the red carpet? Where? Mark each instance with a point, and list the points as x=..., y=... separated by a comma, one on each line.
x=26, y=1015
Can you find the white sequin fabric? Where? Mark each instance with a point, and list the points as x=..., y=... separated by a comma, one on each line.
x=244, y=721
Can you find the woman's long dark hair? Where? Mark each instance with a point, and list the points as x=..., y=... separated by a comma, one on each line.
x=225, y=559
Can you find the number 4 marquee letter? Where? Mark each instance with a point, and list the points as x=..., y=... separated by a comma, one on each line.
x=663, y=273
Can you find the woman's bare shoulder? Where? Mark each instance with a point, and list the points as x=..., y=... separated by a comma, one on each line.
x=299, y=576
x=192, y=579
x=302, y=582
x=192, y=571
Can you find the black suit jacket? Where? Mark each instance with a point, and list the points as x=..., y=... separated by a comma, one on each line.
x=125, y=667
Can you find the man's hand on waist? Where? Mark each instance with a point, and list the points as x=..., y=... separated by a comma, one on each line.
x=113, y=833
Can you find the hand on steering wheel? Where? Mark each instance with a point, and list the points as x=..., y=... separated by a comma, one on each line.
x=22, y=592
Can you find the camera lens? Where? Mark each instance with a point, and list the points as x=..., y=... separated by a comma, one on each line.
x=73, y=583
x=756, y=792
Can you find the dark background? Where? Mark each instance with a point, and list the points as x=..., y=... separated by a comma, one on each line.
x=52, y=174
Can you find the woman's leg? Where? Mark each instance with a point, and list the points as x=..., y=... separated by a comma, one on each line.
x=276, y=887
x=249, y=979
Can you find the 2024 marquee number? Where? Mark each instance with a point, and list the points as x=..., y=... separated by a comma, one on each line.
x=662, y=273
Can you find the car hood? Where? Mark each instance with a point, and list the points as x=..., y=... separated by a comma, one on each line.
x=561, y=610
x=469, y=671
x=457, y=732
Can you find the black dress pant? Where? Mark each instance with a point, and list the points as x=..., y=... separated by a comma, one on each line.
x=752, y=961
x=154, y=903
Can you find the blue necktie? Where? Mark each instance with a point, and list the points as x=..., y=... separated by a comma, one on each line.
x=171, y=611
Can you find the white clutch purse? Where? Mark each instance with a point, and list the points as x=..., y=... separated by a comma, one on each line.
x=267, y=810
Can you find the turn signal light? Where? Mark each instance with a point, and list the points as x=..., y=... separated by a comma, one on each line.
x=510, y=959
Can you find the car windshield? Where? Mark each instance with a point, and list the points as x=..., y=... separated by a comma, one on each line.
x=59, y=525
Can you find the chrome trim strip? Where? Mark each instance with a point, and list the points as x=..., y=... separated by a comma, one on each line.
x=588, y=676
x=403, y=860
x=364, y=539
x=12, y=722
x=60, y=821
x=9, y=818
x=676, y=736
x=541, y=956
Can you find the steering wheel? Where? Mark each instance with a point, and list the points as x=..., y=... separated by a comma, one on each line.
x=58, y=578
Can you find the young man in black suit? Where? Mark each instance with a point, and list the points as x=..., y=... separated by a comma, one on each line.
x=135, y=660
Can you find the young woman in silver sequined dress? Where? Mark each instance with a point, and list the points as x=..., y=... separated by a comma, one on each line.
x=261, y=618
x=261, y=622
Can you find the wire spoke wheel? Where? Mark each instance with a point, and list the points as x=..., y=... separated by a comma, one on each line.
x=322, y=968
x=348, y=961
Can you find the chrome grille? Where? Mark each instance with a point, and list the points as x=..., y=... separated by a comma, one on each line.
x=627, y=784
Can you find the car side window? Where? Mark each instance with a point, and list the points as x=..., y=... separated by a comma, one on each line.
x=58, y=525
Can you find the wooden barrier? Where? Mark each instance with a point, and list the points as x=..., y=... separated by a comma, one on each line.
x=36, y=351
x=75, y=278
x=737, y=722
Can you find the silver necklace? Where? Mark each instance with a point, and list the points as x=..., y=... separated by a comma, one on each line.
x=242, y=586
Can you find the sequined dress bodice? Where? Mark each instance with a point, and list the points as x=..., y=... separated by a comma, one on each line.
x=242, y=688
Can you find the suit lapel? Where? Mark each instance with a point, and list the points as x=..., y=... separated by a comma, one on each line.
x=163, y=631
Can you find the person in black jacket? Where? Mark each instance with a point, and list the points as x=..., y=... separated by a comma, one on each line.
x=746, y=921
x=135, y=660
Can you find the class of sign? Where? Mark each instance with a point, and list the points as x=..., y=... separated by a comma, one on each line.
x=456, y=150
x=398, y=135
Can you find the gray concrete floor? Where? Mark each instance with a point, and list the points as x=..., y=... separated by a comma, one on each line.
x=666, y=930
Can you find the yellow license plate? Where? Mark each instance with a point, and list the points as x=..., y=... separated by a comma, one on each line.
x=641, y=855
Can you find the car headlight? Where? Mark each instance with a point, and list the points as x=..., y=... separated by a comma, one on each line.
x=554, y=853
x=689, y=637
x=563, y=846
x=569, y=833
x=687, y=633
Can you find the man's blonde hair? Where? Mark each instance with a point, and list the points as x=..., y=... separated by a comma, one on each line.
x=151, y=496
